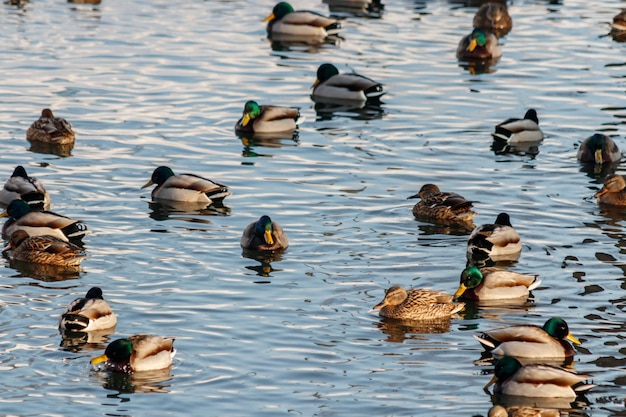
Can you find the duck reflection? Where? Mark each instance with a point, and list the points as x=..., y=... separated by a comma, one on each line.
x=46, y=273
x=266, y=140
x=510, y=401
x=265, y=258
x=85, y=1
x=598, y=171
x=287, y=43
x=95, y=340
x=157, y=381
x=500, y=147
x=500, y=411
x=51, y=149
x=445, y=227
x=397, y=330
x=166, y=209
x=479, y=67
x=358, y=8
x=328, y=110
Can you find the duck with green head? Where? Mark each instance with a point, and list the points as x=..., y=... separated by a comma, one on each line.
x=497, y=240
x=189, y=188
x=514, y=131
x=303, y=24
x=88, y=313
x=38, y=223
x=478, y=46
x=530, y=341
x=22, y=187
x=137, y=353
x=417, y=304
x=331, y=86
x=267, y=119
x=264, y=234
x=535, y=380
x=598, y=149
x=491, y=283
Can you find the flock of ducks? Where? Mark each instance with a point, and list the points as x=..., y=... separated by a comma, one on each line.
x=37, y=235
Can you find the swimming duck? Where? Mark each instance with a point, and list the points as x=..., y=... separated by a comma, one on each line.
x=137, y=353
x=88, y=313
x=598, y=149
x=493, y=17
x=50, y=129
x=530, y=341
x=493, y=240
x=47, y=250
x=267, y=119
x=618, y=27
x=479, y=46
x=189, y=188
x=442, y=206
x=38, y=223
x=284, y=20
x=613, y=191
x=264, y=234
x=417, y=304
x=21, y=186
x=520, y=130
x=535, y=380
x=490, y=283
x=330, y=86
x=500, y=411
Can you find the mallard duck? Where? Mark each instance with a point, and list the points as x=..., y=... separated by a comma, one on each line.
x=267, y=119
x=284, y=20
x=500, y=411
x=38, y=223
x=493, y=17
x=598, y=149
x=22, y=187
x=417, y=304
x=519, y=130
x=189, y=188
x=490, y=283
x=493, y=240
x=264, y=234
x=613, y=191
x=618, y=27
x=88, y=313
x=479, y=46
x=47, y=250
x=530, y=341
x=330, y=85
x=535, y=380
x=442, y=206
x=50, y=129
x=137, y=353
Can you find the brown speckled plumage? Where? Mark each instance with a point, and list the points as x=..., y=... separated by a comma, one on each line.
x=417, y=304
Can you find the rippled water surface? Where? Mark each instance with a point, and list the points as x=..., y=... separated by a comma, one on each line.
x=148, y=83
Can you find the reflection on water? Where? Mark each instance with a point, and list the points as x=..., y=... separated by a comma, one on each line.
x=167, y=209
x=42, y=272
x=51, y=148
x=500, y=147
x=291, y=43
x=157, y=381
x=331, y=109
x=358, y=8
x=398, y=331
x=266, y=140
x=85, y=341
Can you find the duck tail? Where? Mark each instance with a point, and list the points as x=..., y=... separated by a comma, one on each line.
x=487, y=342
x=74, y=322
x=35, y=200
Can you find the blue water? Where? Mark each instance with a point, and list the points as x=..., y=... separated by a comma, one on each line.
x=150, y=83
